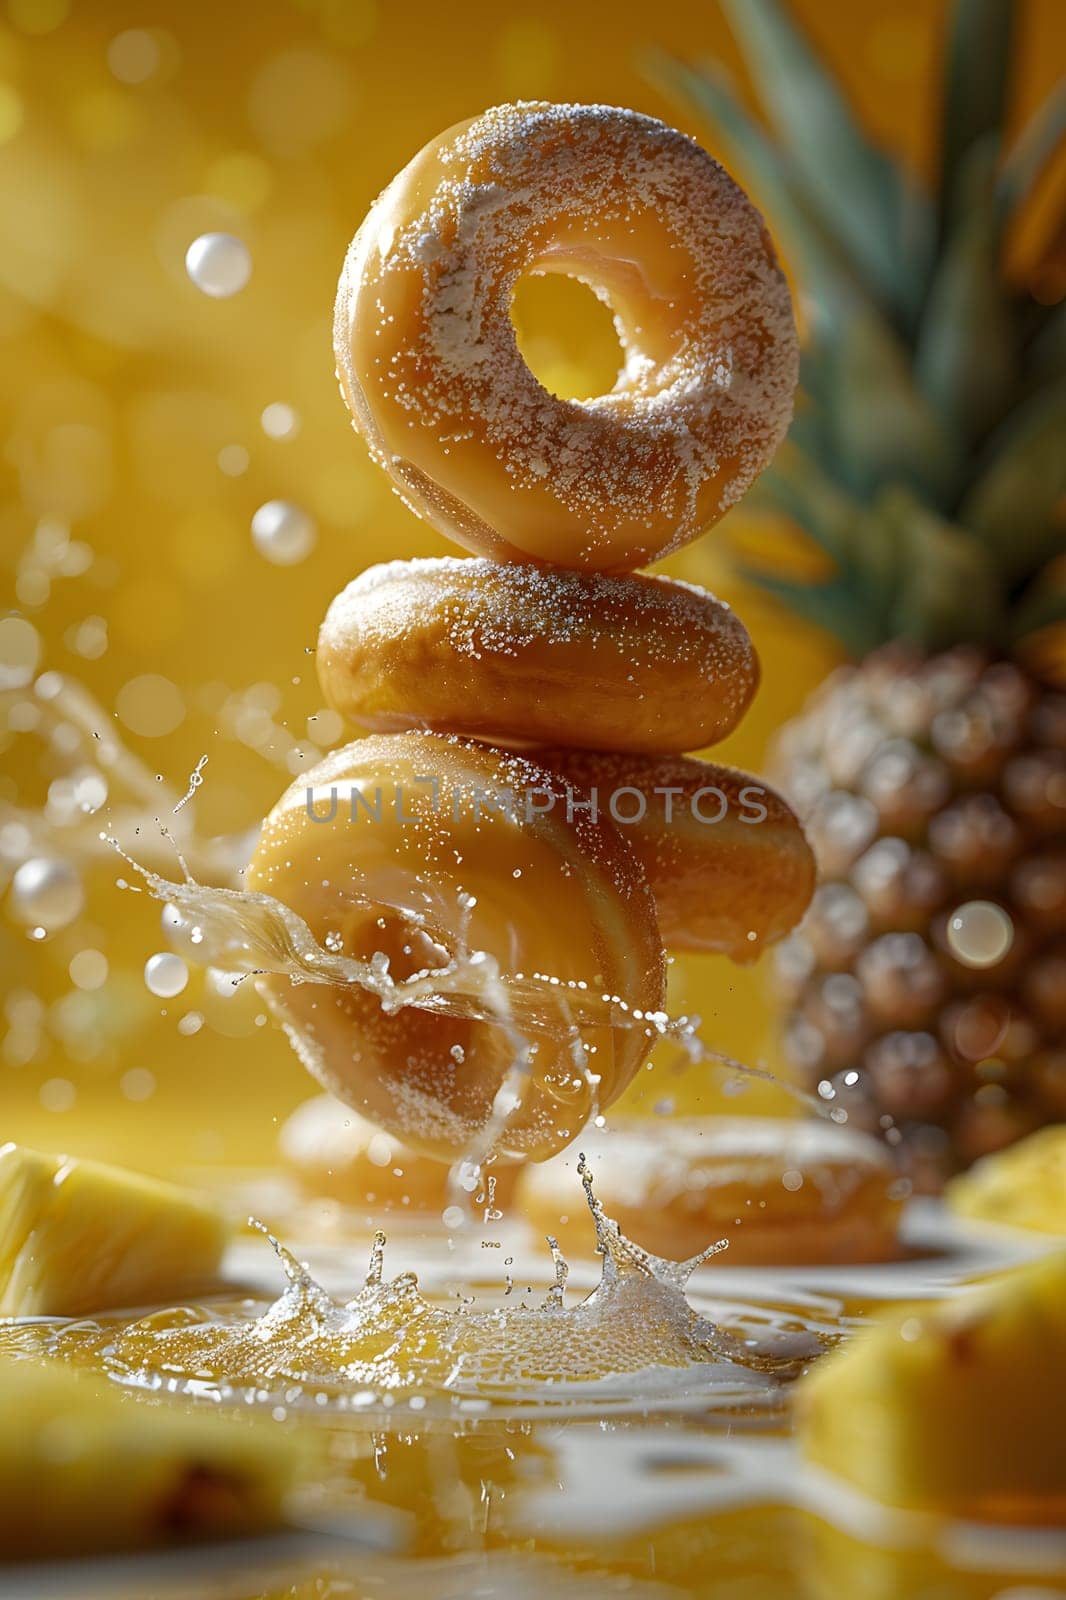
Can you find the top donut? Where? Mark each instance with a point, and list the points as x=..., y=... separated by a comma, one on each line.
x=430, y=368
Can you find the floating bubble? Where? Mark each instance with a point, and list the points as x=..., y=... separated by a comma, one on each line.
x=280, y=421
x=980, y=933
x=165, y=974
x=283, y=532
x=219, y=264
x=47, y=893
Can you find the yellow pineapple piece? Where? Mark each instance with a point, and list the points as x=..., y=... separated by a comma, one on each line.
x=85, y=1467
x=78, y=1236
x=1023, y=1186
x=954, y=1407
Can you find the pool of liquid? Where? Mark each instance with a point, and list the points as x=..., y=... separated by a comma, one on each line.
x=498, y=1424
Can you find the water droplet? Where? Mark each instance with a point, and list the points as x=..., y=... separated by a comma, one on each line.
x=47, y=892
x=283, y=533
x=280, y=421
x=980, y=933
x=219, y=264
x=165, y=974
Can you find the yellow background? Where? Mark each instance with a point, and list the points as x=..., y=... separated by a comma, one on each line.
x=121, y=384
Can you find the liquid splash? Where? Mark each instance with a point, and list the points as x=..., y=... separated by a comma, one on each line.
x=388, y=1343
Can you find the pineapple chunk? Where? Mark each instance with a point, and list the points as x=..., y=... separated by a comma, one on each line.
x=953, y=1407
x=77, y=1236
x=1023, y=1186
x=84, y=1467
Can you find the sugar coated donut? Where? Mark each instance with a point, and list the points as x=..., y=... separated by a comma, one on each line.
x=430, y=367
x=409, y=849
x=725, y=857
x=778, y=1190
x=534, y=654
x=336, y=1154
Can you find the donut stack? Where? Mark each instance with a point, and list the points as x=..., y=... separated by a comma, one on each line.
x=545, y=668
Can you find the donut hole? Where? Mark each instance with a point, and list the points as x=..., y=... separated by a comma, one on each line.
x=566, y=335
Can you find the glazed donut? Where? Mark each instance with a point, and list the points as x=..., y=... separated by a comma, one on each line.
x=780, y=1191
x=532, y=654
x=412, y=847
x=726, y=859
x=335, y=1154
x=430, y=368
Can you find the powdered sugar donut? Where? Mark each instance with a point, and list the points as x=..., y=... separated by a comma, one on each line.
x=524, y=654
x=779, y=1190
x=430, y=367
x=726, y=859
x=338, y=1155
x=404, y=850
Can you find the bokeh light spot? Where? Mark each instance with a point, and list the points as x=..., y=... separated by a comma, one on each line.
x=20, y=652
x=11, y=112
x=150, y=705
x=299, y=99
x=134, y=55
x=38, y=16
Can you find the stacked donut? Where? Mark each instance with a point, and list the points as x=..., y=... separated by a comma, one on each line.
x=523, y=790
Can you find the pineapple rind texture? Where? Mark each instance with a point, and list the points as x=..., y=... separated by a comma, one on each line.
x=952, y=1409
x=925, y=784
x=79, y=1236
x=85, y=1468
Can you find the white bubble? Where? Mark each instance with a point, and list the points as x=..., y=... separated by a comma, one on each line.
x=165, y=974
x=219, y=264
x=280, y=421
x=46, y=892
x=283, y=532
x=980, y=933
x=88, y=969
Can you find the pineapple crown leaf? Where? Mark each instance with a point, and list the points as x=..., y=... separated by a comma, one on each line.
x=829, y=606
x=928, y=382
x=966, y=355
x=862, y=198
x=829, y=279
x=975, y=91
x=1015, y=503
x=1032, y=152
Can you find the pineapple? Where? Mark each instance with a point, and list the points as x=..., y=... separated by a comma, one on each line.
x=85, y=1468
x=79, y=1236
x=927, y=464
x=951, y=1407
